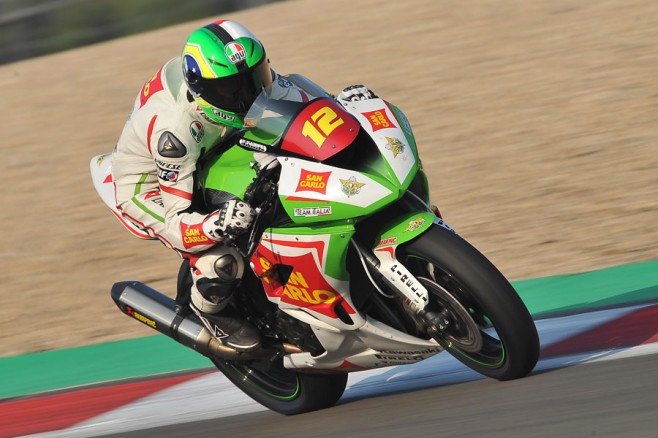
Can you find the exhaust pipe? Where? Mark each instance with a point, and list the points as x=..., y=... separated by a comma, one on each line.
x=158, y=311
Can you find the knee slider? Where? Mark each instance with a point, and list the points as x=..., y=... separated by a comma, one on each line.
x=214, y=289
x=217, y=289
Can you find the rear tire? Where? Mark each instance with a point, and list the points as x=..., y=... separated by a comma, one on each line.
x=490, y=330
x=282, y=390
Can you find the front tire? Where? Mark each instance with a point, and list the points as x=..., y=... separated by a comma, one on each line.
x=489, y=328
x=282, y=390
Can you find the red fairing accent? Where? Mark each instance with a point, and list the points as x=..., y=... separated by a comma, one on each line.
x=306, y=287
x=388, y=249
x=321, y=130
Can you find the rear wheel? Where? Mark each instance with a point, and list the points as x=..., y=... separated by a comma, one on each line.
x=478, y=316
x=282, y=390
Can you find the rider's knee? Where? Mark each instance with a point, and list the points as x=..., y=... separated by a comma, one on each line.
x=215, y=276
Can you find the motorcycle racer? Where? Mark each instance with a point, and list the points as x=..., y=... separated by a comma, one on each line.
x=188, y=107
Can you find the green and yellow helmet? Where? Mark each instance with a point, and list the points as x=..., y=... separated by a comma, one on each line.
x=225, y=69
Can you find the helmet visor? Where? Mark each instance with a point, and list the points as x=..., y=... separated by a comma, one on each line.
x=237, y=92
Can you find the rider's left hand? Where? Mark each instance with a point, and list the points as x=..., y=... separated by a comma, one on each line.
x=354, y=93
x=266, y=161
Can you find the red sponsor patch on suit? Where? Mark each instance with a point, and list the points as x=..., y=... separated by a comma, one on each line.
x=379, y=119
x=313, y=182
x=150, y=88
x=193, y=235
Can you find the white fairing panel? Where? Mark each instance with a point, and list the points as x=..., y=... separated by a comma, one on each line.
x=319, y=182
x=379, y=121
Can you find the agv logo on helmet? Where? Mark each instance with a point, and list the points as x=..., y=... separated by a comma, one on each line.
x=235, y=52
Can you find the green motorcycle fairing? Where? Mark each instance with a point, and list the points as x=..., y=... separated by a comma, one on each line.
x=338, y=167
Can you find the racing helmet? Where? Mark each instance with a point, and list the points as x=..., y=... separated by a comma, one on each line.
x=225, y=69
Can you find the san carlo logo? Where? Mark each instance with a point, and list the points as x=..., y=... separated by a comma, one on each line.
x=235, y=52
x=313, y=182
x=379, y=119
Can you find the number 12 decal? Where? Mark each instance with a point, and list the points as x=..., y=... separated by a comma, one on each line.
x=323, y=122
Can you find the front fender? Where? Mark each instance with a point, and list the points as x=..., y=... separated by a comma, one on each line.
x=403, y=229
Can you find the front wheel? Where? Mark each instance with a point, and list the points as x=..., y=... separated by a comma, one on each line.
x=479, y=317
x=282, y=390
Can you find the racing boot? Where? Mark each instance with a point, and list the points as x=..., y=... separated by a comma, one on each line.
x=216, y=275
x=231, y=330
x=210, y=298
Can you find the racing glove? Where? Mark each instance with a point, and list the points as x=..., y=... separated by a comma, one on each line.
x=232, y=220
x=354, y=93
x=266, y=161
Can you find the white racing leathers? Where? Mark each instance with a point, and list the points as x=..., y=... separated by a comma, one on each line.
x=153, y=166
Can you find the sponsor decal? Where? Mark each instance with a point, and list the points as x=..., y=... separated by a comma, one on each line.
x=197, y=131
x=235, y=52
x=312, y=211
x=414, y=352
x=194, y=236
x=379, y=119
x=166, y=165
x=407, y=281
x=254, y=146
x=313, y=182
x=306, y=287
x=167, y=175
x=205, y=116
x=387, y=241
x=404, y=122
x=99, y=160
x=395, y=359
x=155, y=197
x=298, y=291
x=415, y=224
x=440, y=222
x=223, y=115
x=351, y=186
x=395, y=145
x=139, y=317
x=283, y=82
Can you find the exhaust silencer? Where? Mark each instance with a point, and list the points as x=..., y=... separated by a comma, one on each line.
x=158, y=311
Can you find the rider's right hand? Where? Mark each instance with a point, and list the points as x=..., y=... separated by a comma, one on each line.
x=233, y=219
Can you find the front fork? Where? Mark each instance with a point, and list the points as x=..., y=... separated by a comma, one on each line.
x=388, y=274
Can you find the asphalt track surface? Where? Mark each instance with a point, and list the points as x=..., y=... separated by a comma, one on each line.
x=604, y=399
x=597, y=376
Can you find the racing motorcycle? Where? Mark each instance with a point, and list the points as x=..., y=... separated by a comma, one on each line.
x=352, y=268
